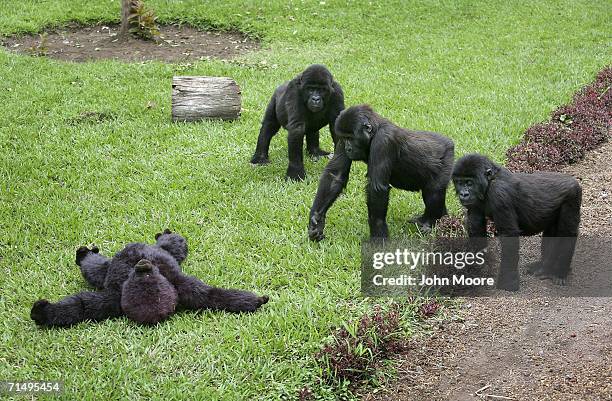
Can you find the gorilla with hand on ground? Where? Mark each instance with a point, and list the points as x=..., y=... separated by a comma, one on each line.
x=303, y=106
x=143, y=282
x=520, y=204
x=396, y=157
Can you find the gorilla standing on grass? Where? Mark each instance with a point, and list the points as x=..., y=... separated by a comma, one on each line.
x=303, y=106
x=520, y=204
x=144, y=282
x=396, y=157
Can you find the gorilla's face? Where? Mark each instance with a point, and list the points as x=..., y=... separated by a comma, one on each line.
x=316, y=96
x=316, y=86
x=472, y=176
x=470, y=190
x=356, y=132
x=464, y=187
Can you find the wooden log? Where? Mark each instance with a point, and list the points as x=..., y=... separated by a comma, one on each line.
x=197, y=98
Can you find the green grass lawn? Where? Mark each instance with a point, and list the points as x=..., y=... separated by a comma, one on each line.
x=479, y=72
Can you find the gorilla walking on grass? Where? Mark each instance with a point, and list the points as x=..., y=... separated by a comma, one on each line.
x=143, y=282
x=303, y=106
x=396, y=158
x=520, y=204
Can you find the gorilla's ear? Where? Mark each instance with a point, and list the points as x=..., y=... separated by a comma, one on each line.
x=166, y=231
x=299, y=81
x=330, y=87
x=491, y=172
x=367, y=127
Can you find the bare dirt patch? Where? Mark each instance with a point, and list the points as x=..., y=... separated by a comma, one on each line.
x=175, y=44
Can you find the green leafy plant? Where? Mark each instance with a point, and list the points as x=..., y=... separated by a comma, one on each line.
x=42, y=49
x=143, y=21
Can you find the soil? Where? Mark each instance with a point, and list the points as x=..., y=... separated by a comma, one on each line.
x=528, y=347
x=175, y=44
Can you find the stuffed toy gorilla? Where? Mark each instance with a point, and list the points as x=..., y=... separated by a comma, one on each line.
x=143, y=282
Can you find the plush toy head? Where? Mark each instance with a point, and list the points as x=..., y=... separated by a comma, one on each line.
x=172, y=243
x=147, y=296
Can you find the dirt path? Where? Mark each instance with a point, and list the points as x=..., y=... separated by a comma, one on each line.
x=531, y=348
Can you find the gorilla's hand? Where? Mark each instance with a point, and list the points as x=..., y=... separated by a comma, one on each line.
x=316, y=227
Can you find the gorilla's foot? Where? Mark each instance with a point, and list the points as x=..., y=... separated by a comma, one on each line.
x=544, y=274
x=536, y=268
x=39, y=312
x=423, y=223
x=83, y=251
x=559, y=280
x=508, y=282
x=295, y=173
x=318, y=152
x=259, y=159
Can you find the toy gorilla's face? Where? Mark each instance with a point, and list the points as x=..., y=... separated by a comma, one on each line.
x=145, y=268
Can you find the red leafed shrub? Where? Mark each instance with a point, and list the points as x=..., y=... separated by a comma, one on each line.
x=357, y=349
x=573, y=129
x=428, y=309
x=528, y=157
x=450, y=227
x=454, y=227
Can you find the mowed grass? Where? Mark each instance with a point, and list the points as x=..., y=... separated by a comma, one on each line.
x=479, y=72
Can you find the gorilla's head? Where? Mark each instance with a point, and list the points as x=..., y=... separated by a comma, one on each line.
x=173, y=243
x=471, y=176
x=356, y=126
x=316, y=85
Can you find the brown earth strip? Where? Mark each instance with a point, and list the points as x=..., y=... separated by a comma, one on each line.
x=175, y=44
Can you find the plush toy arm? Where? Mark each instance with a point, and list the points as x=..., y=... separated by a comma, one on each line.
x=194, y=294
x=76, y=308
x=93, y=265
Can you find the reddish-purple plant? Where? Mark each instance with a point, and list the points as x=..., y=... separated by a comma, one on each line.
x=450, y=227
x=573, y=129
x=358, y=348
x=428, y=309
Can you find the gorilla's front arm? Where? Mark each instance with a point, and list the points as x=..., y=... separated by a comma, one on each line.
x=505, y=220
x=296, y=129
x=379, y=176
x=476, y=224
x=334, y=111
x=333, y=180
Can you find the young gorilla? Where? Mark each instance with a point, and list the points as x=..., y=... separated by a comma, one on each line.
x=396, y=157
x=303, y=106
x=520, y=204
x=120, y=279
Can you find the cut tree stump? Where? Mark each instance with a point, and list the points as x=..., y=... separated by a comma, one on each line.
x=197, y=98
